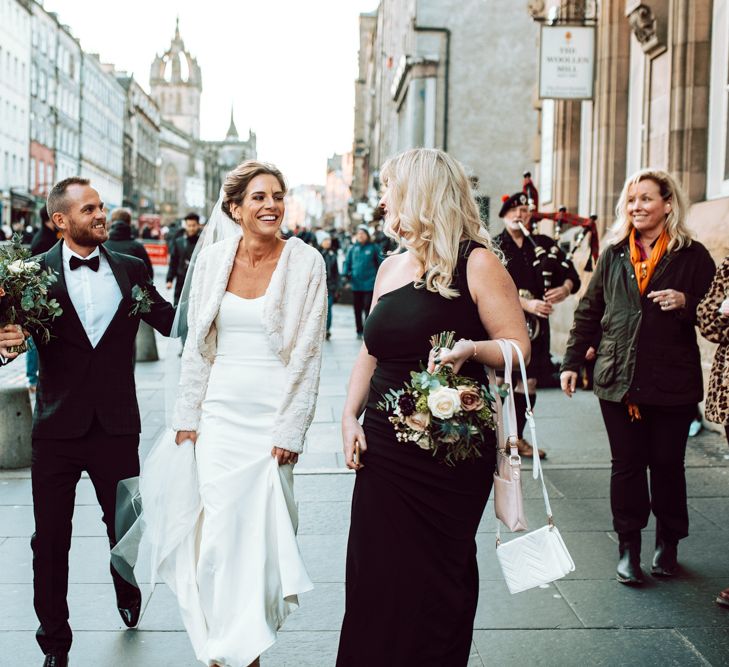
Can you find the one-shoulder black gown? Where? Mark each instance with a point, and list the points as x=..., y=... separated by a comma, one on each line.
x=412, y=578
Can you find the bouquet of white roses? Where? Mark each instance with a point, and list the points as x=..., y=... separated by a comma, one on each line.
x=443, y=412
x=24, y=292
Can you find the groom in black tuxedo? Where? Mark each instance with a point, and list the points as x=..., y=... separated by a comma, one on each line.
x=86, y=414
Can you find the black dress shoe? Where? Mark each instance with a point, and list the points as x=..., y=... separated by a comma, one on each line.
x=56, y=660
x=130, y=612
x=629, y=571
x=665, y=563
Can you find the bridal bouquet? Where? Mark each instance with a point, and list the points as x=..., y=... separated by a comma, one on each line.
x=446, y=413
x=24, y=292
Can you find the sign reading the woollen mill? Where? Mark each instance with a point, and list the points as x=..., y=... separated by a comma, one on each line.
x=567, y=62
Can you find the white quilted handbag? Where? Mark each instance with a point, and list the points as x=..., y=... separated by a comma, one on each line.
x=540, y=556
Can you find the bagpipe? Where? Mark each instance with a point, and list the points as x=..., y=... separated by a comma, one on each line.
x=561, y=219
x=550, y=261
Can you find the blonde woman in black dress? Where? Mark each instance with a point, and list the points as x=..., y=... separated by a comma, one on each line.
x=412, y=578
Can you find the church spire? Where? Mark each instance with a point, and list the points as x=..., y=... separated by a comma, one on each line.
x=232, y=131
x=177, y=28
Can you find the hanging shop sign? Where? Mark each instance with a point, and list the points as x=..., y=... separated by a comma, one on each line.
x=567, y=62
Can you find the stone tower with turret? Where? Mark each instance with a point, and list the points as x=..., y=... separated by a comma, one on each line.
x=176, y=83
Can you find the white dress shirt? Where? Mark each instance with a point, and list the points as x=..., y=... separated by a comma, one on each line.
x=94, y=294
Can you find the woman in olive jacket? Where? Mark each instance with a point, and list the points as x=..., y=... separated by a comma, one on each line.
x=641, y=305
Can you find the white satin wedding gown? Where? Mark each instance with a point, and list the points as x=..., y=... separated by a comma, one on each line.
x=236, y=570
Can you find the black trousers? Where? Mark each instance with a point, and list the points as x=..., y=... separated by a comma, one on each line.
x=362, y=304
x=656, y=443
x=56, y=469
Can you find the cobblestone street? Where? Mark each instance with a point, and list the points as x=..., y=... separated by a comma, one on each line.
x=584, y=619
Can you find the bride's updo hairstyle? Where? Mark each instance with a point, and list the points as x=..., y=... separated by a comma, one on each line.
x=430, y=209
x=237, y=181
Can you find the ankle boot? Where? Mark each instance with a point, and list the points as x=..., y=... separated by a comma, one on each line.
x=629, y=571
x=665, y=563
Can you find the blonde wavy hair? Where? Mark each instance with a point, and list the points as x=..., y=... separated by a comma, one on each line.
x=429, y=200
x=679, y=234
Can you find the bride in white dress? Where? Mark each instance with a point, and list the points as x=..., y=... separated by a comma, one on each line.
x=247, y=393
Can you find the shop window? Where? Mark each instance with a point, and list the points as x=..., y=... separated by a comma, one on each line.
x=546, y=162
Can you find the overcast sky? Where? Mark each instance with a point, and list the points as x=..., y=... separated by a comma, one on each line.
x=287, y=66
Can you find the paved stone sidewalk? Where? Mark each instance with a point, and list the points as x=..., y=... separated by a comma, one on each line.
x=585, y=619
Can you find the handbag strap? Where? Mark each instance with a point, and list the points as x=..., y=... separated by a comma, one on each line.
x=505, y=422
x=509, y=409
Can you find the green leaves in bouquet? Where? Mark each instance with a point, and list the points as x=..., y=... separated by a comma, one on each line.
x=424, y=381
x=24, y=288
x=456, y=440
x=388, y=403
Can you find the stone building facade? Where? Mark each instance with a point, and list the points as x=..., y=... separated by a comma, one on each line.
x=337, y=192
x=660, y=101
x=55, y=103
x=102, y=130
x=44, y=40
x=141, y=146
x=304, y=207
x=452, y=74
x=364, y=111
x=15, y=49
x=68, y=104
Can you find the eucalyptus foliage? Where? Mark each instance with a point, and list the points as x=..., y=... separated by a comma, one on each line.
x=24, y=289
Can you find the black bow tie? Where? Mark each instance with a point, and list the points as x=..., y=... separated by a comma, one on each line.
x=92, y=263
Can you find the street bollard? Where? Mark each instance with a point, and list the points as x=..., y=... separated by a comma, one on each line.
x=16, y=423
x=146, y=343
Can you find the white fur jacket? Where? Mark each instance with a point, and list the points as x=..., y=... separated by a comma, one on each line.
x=294, y=318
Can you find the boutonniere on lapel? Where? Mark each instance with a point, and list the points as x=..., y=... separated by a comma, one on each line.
x=141, y=301
x=24, y=288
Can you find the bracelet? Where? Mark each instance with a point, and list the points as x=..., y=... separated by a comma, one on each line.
x=475, y=349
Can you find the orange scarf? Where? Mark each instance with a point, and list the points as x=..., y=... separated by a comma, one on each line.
x=643, y=265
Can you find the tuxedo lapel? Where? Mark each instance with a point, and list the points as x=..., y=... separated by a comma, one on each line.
x=68, y=325
x=122, y=278
x=125, y=286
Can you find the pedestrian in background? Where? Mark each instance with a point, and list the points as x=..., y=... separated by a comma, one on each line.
x=181, y=253
x=47, y=235
x=307, y=236
x=172, y=232
x=641, y=303
x=44, y=239
x=360, y=268
x=713, y=321
x=332, y=269
x=121, y=239
x=528, y=261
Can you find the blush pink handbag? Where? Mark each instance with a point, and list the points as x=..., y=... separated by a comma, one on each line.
x=508, y=498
